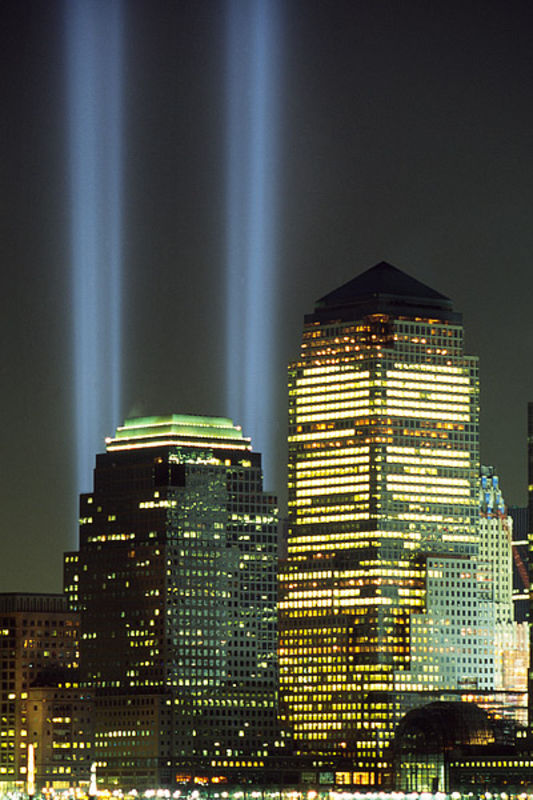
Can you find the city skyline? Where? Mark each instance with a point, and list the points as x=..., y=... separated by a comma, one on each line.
x=404, y=138
x=396, y=589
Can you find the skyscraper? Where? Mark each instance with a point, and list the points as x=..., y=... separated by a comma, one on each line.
x=520, y=517
x=383, y=478
x=510, y=638
x=530, y=560
x=175, y=582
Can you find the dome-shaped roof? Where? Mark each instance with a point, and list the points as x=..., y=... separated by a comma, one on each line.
x=442, y=726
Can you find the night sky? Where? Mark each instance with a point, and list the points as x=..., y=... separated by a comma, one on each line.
x=405, y=135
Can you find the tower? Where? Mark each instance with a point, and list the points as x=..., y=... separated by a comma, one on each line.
x=520, y=517
x=383, y=471
x=530, y=553
x=175, y=582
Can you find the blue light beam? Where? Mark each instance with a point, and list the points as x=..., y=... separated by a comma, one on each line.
x=252, y=157
x=94, y=92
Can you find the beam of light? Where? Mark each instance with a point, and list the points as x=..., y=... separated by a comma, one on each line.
x=94, y=120
x=252, y=141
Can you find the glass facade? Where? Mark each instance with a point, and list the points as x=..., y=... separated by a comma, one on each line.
x=383, y=472
x=175, y=582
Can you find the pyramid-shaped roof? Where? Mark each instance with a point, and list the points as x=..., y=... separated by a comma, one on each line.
x=384, y=289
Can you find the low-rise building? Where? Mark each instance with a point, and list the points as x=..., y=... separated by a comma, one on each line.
x=38, y=639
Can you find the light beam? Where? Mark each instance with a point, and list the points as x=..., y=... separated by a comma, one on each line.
x=252, y=143
x=94, y=65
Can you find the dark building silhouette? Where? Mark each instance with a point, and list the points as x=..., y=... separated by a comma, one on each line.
x=530, y=540
x=175, y=583
x=520, y=517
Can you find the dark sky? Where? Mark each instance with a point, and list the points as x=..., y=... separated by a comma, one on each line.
x=405, y=135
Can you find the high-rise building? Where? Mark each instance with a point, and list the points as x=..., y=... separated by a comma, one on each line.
x=59, y=723
x=520, y=517
x=510, y=638
x=530, y=560
x=383, y=482
x=466, y=645
x=451, y=644
x=175, y=580
x=496, y=536
x=38, y=645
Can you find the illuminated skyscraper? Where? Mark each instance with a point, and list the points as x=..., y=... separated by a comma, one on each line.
x=510, y=638
x=383, y=478
x=175, y=582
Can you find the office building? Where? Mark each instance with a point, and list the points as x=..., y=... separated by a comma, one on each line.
x=466, y=644
x=530, y=550
x=451, y=644
x=60, y=724
x=495, y=547
x=383, y=487
x=520, y=517
x=511, y=645
x=175, y=580
x=38, y=645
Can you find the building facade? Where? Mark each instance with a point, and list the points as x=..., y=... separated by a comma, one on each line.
x=175, y=580
x=60, y=722
x=383, y=478
x=466, y=644
x=520, y=517
x=38, y=645
x=530, y=552
x=452, y=643
x=510, y=637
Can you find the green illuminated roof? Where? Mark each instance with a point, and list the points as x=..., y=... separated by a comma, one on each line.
x=184, y=429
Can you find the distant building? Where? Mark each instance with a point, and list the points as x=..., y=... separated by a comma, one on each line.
x=495, y=543
x=530, y=553
x=175, y=580
x=511, y=645
x=520, y=517
x=38, y=645
x=466, y=644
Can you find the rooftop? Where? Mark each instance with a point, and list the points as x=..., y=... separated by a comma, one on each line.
x=384, y=289
x=178, y=429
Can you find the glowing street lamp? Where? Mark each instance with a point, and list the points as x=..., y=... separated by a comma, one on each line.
x=31, y=770
x=92, y=782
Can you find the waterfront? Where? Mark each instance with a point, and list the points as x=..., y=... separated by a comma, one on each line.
x=258, y=793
